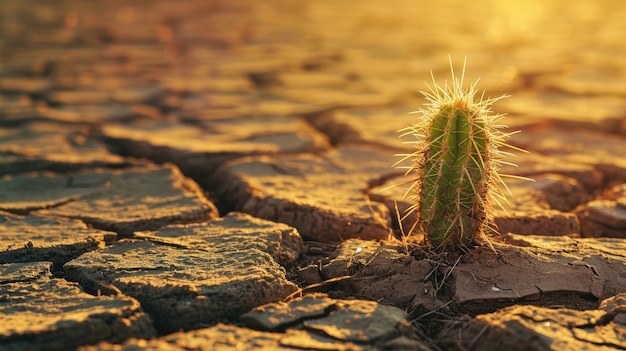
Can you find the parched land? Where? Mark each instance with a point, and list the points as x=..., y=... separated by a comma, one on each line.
x=201, y=175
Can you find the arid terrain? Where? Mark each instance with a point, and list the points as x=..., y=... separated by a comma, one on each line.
x=218, y=175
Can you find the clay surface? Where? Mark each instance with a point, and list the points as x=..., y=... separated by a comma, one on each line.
x=198, y=274
x=42, y=313
x=580, y=274
x=323, y=197
x=198, y=146
x=220, y=175
x=58, y=240
x=149, y=199
x=57, y=147
x=314, y=322
x=523, y=327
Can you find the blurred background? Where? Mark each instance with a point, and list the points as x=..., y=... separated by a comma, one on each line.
x=559, y=60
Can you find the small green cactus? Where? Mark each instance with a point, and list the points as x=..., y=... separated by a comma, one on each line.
x=456, y=164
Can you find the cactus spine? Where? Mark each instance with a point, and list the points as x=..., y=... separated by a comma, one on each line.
x=456, y=164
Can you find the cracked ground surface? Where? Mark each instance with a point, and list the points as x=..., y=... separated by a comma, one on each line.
x=211, y=174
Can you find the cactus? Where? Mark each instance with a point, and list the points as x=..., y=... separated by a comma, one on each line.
x=456, y=164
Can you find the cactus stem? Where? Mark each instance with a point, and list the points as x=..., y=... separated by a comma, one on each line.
x=455, y=165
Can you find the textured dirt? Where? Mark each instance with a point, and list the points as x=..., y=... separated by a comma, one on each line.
x=40, y=313
x=132, y=200
x=200, y=175
x=196, y=274
x=322, y=196
x=315, y=322
x=54, y=240
x=538, y=328
x=525, y=270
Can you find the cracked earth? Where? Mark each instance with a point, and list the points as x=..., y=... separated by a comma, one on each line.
x=200, y=175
